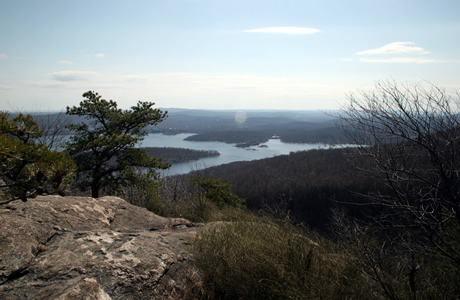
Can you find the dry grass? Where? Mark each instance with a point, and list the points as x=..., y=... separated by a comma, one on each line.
x=262, y=259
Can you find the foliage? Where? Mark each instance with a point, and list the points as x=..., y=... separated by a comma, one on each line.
x=181, y=196
x=216, y=191
x=143, y=193
x=28, y=168
x=104, y=146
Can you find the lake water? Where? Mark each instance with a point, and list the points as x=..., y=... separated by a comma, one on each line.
x=228, y=152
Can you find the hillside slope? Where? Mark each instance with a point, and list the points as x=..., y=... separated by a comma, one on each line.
x=306, y=185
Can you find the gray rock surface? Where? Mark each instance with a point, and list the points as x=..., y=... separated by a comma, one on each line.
x=54, y=247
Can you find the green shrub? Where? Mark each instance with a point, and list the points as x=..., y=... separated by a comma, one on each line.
x=28, y=168
x=199, y=199
x=216, y=191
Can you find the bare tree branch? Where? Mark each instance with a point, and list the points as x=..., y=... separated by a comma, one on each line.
x=412, y=135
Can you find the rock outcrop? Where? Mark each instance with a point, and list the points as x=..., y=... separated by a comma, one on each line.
x=55, y=247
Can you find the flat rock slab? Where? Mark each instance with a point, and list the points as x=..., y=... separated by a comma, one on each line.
x=55, y=247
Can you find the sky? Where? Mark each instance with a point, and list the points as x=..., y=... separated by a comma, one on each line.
x=216, y=54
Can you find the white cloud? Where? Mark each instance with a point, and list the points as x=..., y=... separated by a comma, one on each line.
x=399, y=60
x=417, y=60
x=65, y=62
x=285, y=30
x=3, y=56
x=99, y=55
x=395, y=48
x=400, y=52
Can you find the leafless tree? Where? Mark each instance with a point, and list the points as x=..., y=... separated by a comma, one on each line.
x=54, y=130
x=412, y=135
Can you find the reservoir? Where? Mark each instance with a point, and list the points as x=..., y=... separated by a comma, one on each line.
x=228, y=152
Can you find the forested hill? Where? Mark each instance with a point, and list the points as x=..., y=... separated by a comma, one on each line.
x=307, y=185
x=253, y=127
x=230, y=126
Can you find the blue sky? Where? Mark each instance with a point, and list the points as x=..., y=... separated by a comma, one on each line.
x=216, y=54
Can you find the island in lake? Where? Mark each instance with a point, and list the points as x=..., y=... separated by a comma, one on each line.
x=178, y=155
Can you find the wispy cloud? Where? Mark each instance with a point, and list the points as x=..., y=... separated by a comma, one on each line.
x=99, y=55
x=285, y=30
x=6, y=87
x=170, y=89
x=416, y=60
x=4, y=56
x=395, y=48
x=400, y=52
x=65, y=76
x=65, y=62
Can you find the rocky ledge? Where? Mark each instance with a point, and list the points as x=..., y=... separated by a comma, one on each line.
x=55, y=247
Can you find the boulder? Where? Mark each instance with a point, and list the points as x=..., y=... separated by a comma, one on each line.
x=54, y=247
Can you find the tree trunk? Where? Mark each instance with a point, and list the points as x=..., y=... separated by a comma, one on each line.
x=96, y=183
x=95, y=188
x=94, y=192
